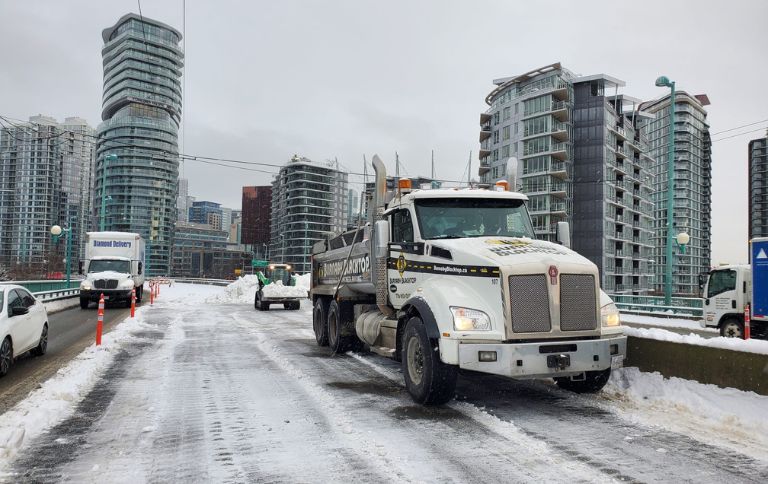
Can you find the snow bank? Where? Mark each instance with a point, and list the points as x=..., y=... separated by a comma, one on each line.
x=717, y=414
x=749, y=346
x=243, y=290
x=665, y=322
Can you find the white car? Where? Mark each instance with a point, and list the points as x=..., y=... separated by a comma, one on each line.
x=23, y=325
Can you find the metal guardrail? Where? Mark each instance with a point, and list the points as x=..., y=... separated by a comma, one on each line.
x=692, y=307
x=200, y=280
x=57, y=294
x=43, y=285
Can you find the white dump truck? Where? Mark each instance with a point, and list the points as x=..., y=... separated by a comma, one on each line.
x=446, y=279
x=730, y=289
x=113, y=266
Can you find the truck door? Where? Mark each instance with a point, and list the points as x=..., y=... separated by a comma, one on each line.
x=404, y=251
x=720, y=297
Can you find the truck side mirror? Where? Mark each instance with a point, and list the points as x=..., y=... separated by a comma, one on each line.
x=564, y=234
x=141, y=267
x=381, y=233
x=80, y=267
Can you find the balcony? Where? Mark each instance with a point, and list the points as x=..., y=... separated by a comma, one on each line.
x=484, y=153
x=484, y=168
x=560, y=110
x=485, y=132
x=561, y=151
x=558, y=169
x=485, y=118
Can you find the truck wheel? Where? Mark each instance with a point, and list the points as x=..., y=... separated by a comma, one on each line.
x=320, y=321
x=341, y=328
x=427, y=379
x=593, y=382
x=139, y=293
x=732, y=328
x=259, y=303
x=84, y=302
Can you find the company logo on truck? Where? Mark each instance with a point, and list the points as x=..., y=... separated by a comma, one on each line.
x=121, y=244
x=506, y=247
x=357, y=269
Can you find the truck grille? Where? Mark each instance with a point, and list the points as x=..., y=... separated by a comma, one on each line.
x=529, y=303
x=105, y=283
x=578, y=311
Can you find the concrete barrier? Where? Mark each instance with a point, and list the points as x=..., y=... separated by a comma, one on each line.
x=724, y=368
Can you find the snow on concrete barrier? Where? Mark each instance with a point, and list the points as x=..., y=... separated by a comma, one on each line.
x=725, y=362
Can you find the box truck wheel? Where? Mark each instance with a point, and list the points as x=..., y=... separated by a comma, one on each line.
x=593, y=382
x=139, y=293
x=320, y=321
x=84, y=302
x=732, y=328
x=428, y=380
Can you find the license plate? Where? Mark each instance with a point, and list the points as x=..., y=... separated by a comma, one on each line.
x=617, y=361
x=106, y=297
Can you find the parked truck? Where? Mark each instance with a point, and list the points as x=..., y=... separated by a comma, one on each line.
x=113, y=266
x=730, y=288
x=449, y=279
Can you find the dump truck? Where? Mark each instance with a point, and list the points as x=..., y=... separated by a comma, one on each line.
x=449, y=279
x=731, y=289
x=270, y=292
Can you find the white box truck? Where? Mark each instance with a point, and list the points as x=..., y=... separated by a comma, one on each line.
x=451, y=279
x=113, y=266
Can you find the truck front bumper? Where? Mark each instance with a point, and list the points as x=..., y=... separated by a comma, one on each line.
x=110, y=295
x=544, y=359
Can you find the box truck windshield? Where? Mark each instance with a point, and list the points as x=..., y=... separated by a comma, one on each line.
x=110, y=265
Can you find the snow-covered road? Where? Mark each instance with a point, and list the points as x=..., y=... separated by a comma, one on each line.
x=222, y=393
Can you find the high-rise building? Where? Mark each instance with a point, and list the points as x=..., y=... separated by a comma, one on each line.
x=758, y=187
x=571, y=144
x=235, y=228
x=309, y=202
x=182, y=205
x=692, y=209
x=45, y=180
x=257, y=219
x=353, y=206
x=141, y=115
x=226, y=218
x=205, y=212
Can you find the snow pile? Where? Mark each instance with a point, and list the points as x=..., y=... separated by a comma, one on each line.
x=665, y=322
x=720, y=415
x=749, y=346
x=57, y=397
x=243, y=290
x=278, y=290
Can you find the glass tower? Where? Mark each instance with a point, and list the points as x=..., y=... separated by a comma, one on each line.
x=758, y=187
x=141, y=112
x=692, y=209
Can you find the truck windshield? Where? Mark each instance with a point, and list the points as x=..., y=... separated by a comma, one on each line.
x=452, y=218
x=110, y=265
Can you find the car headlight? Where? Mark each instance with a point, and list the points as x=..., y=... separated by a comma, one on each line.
x=610, y=315
x=86, y=286
x=128, y=284
x=465, y=319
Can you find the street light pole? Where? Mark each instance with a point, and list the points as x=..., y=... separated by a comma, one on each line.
x=663, y=81
x=102, y=215
x=56, y=231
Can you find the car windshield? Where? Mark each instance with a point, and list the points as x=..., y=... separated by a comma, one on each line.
x=448, y=218
x=110, y=265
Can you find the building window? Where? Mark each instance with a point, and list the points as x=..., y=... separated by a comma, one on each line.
x=507, y=113
x=505, y=133
x=505, y=151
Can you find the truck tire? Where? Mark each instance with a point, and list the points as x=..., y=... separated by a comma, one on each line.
x=259, y=303
x=732, y=328
x=320, y=321
x=593, y=382
x=139, y=293
x=427, y=379
x=84, y=302
x=341, y=328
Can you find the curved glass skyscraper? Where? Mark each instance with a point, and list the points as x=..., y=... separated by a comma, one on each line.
x=137, y=162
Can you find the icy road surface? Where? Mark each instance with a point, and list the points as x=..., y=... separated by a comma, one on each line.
x=222, y=393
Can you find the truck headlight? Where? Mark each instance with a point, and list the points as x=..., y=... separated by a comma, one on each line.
x=465, y=319
x=85, y=286
x=610, y=315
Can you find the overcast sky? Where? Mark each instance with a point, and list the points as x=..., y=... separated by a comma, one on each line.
x=343, y=79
